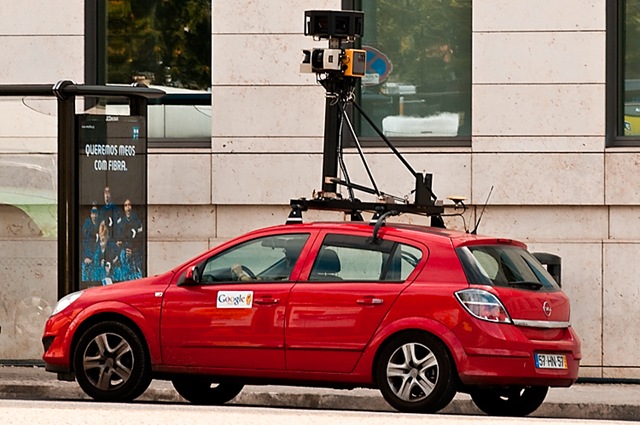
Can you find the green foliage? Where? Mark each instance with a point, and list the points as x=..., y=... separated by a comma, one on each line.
x=428, y=41
x=165, y=42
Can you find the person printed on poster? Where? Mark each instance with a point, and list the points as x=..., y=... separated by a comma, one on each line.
x=90, y=238
x=106, y=257
x=109, y=213
x=129, y=239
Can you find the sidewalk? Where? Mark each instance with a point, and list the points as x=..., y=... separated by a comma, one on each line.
x=581, y=401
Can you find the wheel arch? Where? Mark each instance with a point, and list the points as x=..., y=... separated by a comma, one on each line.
x=106, y=317
x=430, y=327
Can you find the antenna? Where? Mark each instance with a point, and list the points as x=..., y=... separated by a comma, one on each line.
x=475, y=229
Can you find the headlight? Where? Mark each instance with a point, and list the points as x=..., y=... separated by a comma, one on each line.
x=483, y=305
x=66, y=301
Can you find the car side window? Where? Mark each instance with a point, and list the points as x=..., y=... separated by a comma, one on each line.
x=357, y=258
x=269, y=258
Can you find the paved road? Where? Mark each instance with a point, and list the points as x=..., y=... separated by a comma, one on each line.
x=581, y=401
x=25, y=412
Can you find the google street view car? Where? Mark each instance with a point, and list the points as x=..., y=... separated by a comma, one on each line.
x=418, y=312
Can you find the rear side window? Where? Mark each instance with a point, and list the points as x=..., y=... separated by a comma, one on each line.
x=504, y=265
x=356, y=258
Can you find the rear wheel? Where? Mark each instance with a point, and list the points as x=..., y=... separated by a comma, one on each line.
x=202, y=391
x=415, y=374
x=111, y=363
x=512, y=401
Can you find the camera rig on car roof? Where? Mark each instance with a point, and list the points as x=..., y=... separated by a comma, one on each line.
x=338, y=68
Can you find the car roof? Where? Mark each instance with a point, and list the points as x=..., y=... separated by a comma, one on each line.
x=415, y=231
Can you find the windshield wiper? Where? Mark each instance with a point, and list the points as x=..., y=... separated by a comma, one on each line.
x=526, y=284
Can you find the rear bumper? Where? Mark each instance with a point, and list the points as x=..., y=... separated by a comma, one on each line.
x=504, y=356
x=503, y=370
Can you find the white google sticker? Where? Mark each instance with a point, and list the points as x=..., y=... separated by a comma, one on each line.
x=235, y=299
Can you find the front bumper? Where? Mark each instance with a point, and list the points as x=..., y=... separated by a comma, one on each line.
x=56, y=344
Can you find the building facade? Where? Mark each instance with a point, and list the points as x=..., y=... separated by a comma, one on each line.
x=540, y=141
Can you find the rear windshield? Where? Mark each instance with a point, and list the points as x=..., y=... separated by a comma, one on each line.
x=504, y=265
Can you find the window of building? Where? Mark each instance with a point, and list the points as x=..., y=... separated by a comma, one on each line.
x=418, y=81
x=160, y=43
x=623, y=72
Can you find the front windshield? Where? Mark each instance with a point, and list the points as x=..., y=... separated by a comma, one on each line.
x=504, y=265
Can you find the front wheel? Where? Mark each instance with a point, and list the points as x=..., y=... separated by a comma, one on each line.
x=111, y=363
x=512, y=401
x=202, y=391
x=416, y=374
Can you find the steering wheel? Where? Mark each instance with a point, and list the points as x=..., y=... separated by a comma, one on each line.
x=246, y=270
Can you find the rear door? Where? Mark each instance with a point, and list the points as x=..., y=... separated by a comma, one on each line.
x=342, y=297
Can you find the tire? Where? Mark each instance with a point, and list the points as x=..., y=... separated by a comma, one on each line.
x=111, y=363
x=204, y=392
x=513, y=401
x=415, y=374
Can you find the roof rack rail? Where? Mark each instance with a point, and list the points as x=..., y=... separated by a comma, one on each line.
x=355, y=207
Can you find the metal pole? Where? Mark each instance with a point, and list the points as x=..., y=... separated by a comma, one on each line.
x=68, y=227
x=138, y=106
x=331, y=135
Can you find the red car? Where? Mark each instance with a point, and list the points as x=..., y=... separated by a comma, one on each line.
x=419, y=312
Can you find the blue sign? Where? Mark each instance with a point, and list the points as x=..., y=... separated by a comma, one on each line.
x=377, y=63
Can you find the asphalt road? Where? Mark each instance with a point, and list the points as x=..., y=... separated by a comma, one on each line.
x=29, y=412
x=582, y=401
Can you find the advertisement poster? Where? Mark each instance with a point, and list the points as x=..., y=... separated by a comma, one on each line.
x=113, y=198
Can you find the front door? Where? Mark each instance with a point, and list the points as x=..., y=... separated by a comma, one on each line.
x=225, y=325
x=233, y=314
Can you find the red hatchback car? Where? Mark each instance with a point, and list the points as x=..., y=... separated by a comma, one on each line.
x=419, y=312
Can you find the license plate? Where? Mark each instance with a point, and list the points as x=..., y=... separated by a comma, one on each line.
x=551, y=361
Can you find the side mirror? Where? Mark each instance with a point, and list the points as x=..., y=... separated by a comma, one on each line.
x=191, y=277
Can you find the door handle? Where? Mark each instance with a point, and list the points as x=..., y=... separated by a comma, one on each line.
x=370, y=301
x=266, y=301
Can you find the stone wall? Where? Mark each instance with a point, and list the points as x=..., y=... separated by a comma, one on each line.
x=538, y=138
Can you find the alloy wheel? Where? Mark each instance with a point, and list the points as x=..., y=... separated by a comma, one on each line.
x=412, y=372
x=108, y=361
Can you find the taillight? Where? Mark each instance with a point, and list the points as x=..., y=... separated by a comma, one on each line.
x=483, y=305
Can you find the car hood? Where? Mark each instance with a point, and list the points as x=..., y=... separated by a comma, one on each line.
x=126, y=289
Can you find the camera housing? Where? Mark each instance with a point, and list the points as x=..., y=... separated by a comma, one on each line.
x=349, y=62
x=354, y=62
x=340, y=24
x=321, y=60
x=338, y=27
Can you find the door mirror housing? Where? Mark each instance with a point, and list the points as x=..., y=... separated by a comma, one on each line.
x=191, y=277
